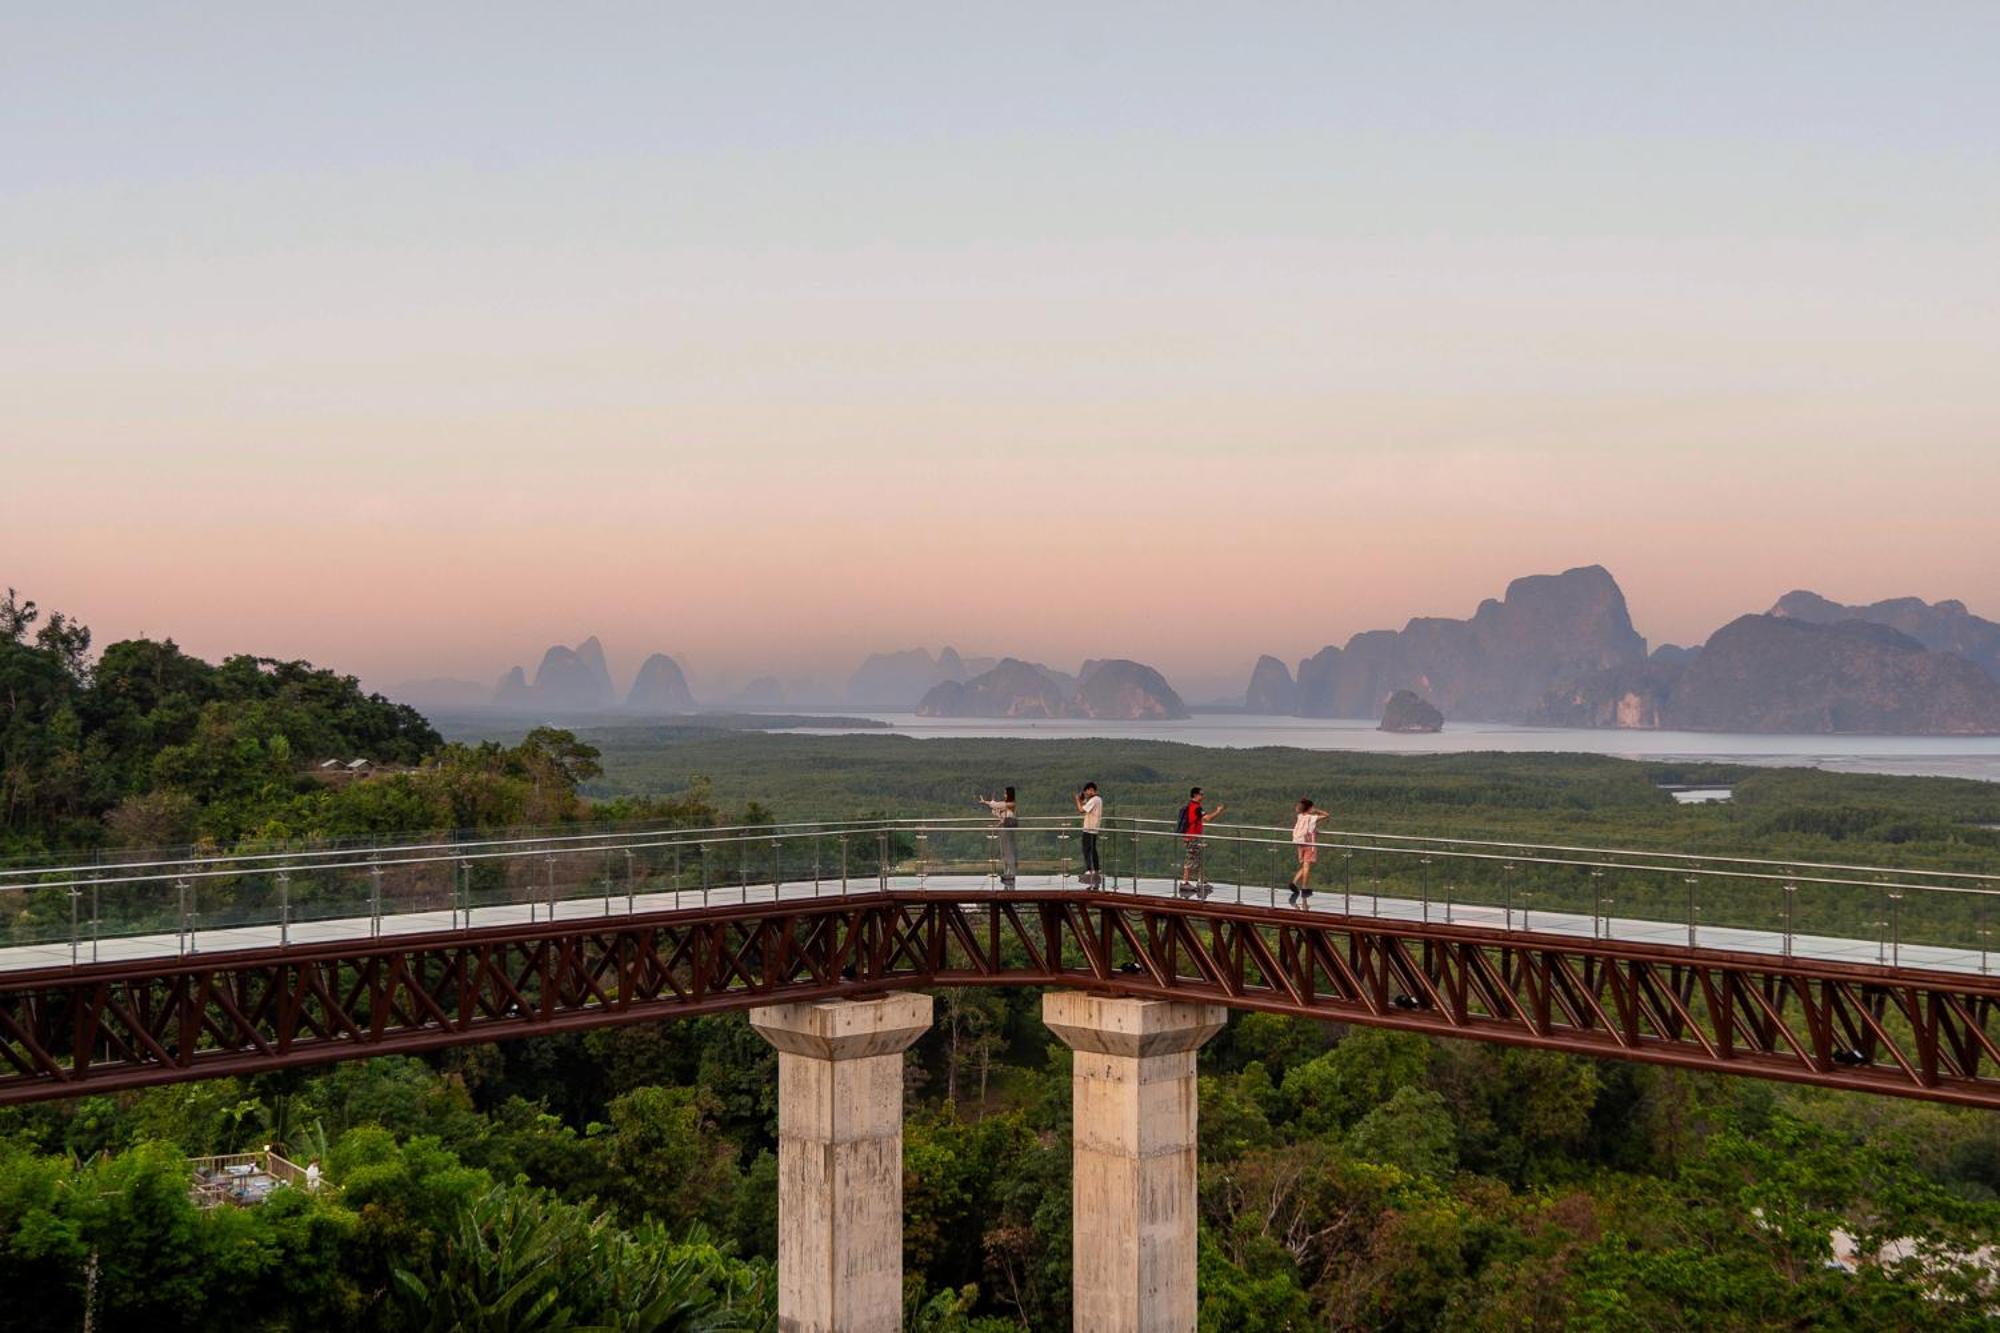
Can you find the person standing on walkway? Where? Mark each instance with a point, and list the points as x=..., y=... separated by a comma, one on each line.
x=1193, y=820
x=1305, y=838
x=1091, y=806
x=1010, y=855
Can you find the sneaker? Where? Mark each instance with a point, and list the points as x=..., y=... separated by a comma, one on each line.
x=1294, y=899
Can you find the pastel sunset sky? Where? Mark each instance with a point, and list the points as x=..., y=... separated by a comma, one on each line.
x=411, y=339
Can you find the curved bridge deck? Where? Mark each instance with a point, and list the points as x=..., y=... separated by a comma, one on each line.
x=1505, y=944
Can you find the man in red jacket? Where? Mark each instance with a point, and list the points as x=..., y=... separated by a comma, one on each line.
x=1193, y=820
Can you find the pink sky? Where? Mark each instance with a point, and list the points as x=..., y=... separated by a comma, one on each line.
x=1179, y=337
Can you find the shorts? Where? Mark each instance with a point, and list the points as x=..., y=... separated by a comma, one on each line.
x=1307, y=853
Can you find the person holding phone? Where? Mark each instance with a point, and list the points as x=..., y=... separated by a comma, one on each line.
x=1010, y=855
x=1091, y=806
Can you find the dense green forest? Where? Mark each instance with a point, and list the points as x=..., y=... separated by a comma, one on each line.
x=1589, y=799
x=626, y=1178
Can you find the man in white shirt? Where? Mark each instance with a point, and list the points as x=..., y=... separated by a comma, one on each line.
x=1091, y=806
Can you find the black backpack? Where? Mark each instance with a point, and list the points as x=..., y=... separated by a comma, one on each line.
x=1181, y=823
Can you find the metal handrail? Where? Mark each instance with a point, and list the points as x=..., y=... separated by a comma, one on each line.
x=612, y=839
x=1458, y=849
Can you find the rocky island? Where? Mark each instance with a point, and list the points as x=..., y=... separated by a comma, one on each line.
x=1115, y=689
x=1408, y=711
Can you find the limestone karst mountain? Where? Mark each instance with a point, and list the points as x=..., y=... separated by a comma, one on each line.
x=569, y=680
x=1772, y=673
x=1124, y=689
x=1115, y=688
x=1271, y=689
x=1942, y=627
x=1011, y=689
x=899, y=680
x=513, y=690
x=660, y=687
x=1495, y=666
x=1781, y=674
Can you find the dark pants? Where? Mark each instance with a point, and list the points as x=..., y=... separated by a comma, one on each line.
x=1090, y=866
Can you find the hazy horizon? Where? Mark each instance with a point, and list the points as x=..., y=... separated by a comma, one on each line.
x=1200, y=680
x=773, y=339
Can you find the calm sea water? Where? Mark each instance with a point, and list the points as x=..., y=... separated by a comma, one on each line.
x=1938, y=756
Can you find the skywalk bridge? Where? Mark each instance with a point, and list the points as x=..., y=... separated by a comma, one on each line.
x=152, y=969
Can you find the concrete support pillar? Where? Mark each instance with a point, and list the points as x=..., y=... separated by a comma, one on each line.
x=840, y=1159
x=1134, y=1139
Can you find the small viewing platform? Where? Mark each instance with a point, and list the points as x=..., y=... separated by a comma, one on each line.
x=245, y=1179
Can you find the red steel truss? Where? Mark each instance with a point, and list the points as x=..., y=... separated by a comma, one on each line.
x=99, y=1027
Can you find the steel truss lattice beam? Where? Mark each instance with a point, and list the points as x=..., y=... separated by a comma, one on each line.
x=101, y=1027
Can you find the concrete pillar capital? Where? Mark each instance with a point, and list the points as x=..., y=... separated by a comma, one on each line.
x=845, y=1029
x=1110, y=1025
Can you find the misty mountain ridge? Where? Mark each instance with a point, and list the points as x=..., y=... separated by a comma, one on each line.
x=1560, y=650
x=1553, y=650
x=898, y=680
x=1107, y=689
x=578, y=681
x=1942, y=627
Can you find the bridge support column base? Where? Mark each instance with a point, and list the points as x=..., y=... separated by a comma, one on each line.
x=1134, y=1209
x=840, y=1159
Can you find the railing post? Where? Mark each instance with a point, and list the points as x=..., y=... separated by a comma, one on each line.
x=843, y=865
x=631, y=882
x=1692, y=910
x=375, y=898
x=777, y=870
x=1425, y=875
x=75, y=930
x=1985, y=933
x=1347, y=883
x=96, y=916
x=184, y=891
x=923, y=857
x=882, y=866
x=284, y=908
x=1791, y=896
x=550, y=863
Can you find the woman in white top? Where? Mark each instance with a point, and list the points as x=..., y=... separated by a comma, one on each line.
x=1091, y=806
x=1010, y=856
x=1305, y=834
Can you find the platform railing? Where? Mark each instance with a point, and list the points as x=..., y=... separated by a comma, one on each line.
x=1880, y=915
